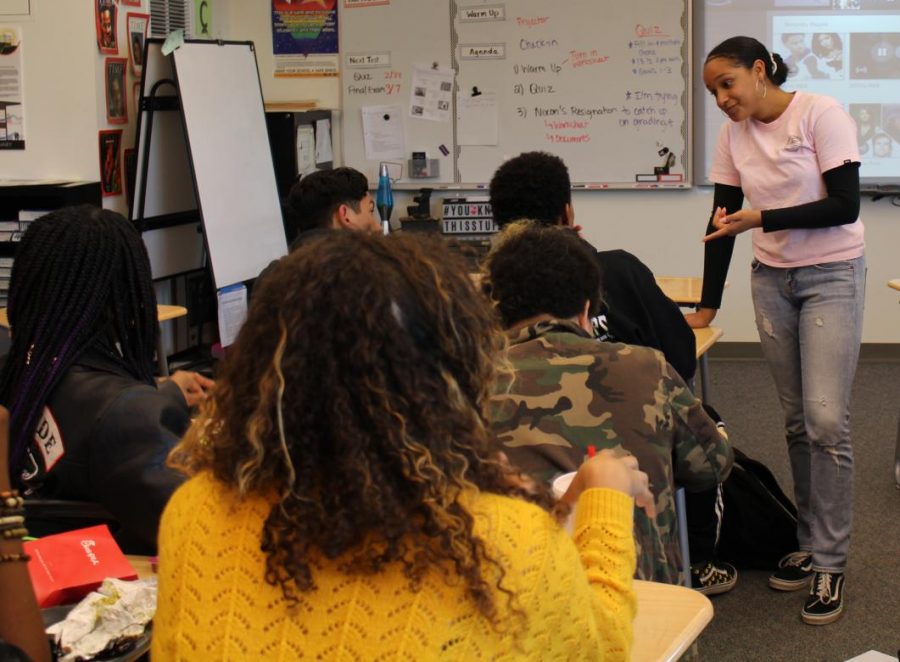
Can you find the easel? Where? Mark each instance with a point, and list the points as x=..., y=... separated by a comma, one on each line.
x=191, y=171
x=229, y=183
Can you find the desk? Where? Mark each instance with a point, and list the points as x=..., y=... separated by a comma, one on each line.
x=683, y=290
x=142, y=566
x=895, y=285
x=705, y=339
x=163, y=314
x=669, y=620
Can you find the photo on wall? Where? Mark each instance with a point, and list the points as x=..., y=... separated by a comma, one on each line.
x=137, y=35
x=110, y=162
x=116, y=98
x=107, y=26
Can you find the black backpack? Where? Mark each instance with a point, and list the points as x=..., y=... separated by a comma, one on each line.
x=759, y=524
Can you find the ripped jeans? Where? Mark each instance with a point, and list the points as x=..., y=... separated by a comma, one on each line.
x=810, y=326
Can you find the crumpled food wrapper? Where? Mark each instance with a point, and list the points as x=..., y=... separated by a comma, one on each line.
x=117, y=611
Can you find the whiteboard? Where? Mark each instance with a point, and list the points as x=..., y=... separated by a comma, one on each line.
x=605, y=86
x=379, y=45
x=224, y=123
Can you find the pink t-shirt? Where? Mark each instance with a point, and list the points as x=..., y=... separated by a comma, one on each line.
x=780, y=164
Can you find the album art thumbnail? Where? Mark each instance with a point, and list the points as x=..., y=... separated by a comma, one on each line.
x=875, y=55
x=890, y=115
x=868, y=124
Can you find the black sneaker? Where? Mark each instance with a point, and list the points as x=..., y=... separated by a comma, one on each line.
x=825, y=603
x=713, y=578
x=794, y=572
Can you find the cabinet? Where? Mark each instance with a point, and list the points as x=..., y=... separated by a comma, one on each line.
x=21, y=201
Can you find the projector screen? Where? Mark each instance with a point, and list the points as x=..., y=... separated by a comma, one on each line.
x=847, y=49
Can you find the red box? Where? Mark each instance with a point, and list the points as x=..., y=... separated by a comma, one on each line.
x=67, y=566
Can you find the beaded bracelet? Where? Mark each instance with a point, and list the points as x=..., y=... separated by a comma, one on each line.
x=12, y=534
x=13, y=558
x=11, y=499
x=11, y=520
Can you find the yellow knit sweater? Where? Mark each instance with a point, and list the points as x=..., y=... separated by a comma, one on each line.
x=214, y=603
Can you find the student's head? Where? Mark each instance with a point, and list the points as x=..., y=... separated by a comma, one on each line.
x=825, y=43
x=863, y=115
x=881, y=145
x=355, y=397
x=795, y=42
x=543, y=270
x=337, y=198
x=535, y=186
x=739, y=73
x=81, y=280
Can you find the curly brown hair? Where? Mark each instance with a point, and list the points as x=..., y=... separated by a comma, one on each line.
x=356, y=395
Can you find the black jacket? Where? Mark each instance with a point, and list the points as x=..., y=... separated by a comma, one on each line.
x=637, y=312
x=104, y=438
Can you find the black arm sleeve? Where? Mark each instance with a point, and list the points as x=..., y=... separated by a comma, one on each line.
x=839, y=207
x=717, y=253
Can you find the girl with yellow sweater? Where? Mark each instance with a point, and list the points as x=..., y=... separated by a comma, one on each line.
x=348, y=501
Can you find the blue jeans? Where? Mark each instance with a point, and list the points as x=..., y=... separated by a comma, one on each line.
x=810, y=326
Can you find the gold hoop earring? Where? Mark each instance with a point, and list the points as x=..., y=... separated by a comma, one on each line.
x=765, y=89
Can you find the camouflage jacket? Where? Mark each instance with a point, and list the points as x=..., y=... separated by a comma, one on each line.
x=571, y=391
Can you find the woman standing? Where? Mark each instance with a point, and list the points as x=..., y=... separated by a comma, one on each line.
x=795, y=157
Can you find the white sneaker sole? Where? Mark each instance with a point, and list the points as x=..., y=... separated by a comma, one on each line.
x=822, y=619
x=786, y=585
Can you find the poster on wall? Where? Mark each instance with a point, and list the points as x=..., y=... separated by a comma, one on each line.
x=131, y=3
x=110, y=162
x=137, y=34
x=107, y=26
x=116, y=99
x=12, y=100
x=305, y=38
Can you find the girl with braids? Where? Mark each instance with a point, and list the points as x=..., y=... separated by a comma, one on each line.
x=796, y=158
x=348, y=500
x=87, y=420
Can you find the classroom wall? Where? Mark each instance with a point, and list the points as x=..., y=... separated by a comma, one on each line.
x=252, y=20
x=663, y=228
x=65, y=109
x=65, y=95
x=61, y=92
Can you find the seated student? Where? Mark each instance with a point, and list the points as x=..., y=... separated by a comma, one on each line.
x=324, y=200
x=536, y=186
x=88, y=420
x=569, y=392
x=336, y=199
x=348, y=500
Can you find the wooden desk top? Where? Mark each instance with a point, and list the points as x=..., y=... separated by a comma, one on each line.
x=669, y=619
x=895, y=284
x=163, y=313
x=683, y=290
x=142, y=565
x=706, y=338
